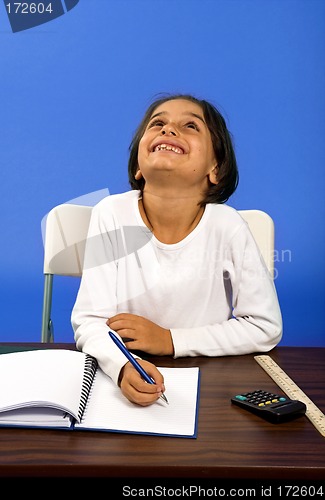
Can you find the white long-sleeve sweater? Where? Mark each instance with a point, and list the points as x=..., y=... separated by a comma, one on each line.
x=212, y=290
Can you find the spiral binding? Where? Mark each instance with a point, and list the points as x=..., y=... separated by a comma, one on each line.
x=87, y=381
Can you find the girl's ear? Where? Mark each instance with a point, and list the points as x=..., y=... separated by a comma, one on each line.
x=213, y=175
x=138, y=175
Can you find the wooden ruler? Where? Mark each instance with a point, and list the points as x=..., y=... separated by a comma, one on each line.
x=291, y=389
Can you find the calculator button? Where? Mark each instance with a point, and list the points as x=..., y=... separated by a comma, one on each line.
x=241, y=398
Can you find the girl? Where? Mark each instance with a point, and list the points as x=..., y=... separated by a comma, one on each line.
x=169, y=266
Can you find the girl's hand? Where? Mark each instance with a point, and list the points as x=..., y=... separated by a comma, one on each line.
x=141, y=334
x=135, y=389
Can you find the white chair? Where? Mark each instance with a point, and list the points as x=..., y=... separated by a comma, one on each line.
x=262, y=228
x=64, y=245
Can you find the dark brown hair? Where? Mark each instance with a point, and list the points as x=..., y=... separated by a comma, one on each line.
x=227, y=171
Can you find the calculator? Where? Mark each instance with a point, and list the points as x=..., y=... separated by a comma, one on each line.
x=273, y=407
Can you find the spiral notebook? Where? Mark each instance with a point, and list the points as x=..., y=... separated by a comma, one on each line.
x=65, y=389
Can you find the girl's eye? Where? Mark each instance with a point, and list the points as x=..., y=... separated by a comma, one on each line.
x=192, y=125
x=156, y=123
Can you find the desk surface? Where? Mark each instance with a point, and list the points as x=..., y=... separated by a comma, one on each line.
x=231, y=442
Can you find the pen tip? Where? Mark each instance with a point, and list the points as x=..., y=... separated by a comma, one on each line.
x=164, y=398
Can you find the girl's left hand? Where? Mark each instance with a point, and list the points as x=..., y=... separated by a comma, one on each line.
x=141, y=334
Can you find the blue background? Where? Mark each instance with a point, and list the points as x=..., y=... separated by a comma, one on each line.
x=74, y=89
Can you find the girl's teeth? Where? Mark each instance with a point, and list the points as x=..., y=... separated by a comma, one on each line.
x=167, y=147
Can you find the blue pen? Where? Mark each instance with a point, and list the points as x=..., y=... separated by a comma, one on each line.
x=134, y=362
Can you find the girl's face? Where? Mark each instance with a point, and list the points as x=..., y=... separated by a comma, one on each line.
x=177, y=147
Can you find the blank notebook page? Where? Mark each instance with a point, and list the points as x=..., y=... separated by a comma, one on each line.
x=110, y=410
x=53, y=376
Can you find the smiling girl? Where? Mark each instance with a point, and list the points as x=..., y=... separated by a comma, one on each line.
x=169, y=266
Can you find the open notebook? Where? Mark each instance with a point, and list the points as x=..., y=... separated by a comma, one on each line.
x=65, y=389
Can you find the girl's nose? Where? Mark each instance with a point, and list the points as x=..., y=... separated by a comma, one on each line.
x=168, y=130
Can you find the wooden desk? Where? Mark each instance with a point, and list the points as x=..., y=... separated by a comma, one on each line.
x=231, y=442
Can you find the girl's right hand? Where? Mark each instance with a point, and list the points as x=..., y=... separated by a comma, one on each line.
x=135, y=389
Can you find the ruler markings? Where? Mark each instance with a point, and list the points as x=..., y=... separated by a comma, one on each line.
x=291, y=389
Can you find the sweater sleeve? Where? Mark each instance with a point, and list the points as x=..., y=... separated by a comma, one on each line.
x=96, y=299
x=256, y=322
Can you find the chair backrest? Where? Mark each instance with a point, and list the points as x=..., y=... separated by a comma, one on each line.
x=65, y=237
x=66, y=229
x=262, y=228
x=64, y=245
